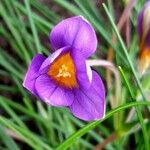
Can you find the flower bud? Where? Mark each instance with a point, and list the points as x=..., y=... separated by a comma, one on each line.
x=143, y=26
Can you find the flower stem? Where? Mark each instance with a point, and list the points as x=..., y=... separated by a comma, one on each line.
x=108, y=140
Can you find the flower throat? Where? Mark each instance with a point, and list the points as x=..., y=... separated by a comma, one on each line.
x=63, y=71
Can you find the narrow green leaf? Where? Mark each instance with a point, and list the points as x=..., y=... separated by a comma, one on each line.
x=143, y=126
x=33, y=28
x=9, y=142
x=92, y=125
x=124, y=50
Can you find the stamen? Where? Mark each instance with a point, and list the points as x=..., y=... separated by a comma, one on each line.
x=63, y=72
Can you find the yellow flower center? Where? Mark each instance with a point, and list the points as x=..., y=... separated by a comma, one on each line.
x=63, y=71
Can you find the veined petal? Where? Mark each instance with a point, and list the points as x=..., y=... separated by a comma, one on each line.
x=75, y=32
x=83, y=71
x=52, y=94
x=33, y=73
x=89, y=104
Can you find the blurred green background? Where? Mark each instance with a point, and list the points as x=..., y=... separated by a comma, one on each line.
x=27, y=123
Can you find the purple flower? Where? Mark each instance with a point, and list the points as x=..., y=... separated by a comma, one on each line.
x=143, y=27
x=64, y=78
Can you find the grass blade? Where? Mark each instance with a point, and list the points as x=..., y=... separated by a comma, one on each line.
x=33, y=28
x=92, y=125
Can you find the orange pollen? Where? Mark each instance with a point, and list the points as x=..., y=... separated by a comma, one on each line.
x=63, y=71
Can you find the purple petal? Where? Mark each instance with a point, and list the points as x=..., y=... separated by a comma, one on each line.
x=75, y=32
x=51, y=93
x=90, y=104
x=33, y=72
x=148, y=38
x=140, y=23
x=52, y=57
x=82, y=70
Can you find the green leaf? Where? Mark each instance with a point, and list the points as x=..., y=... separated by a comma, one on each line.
x=92, y=125
x=9, y=142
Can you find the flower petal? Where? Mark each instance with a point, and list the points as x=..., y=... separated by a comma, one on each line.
x=33, y=72
x=140, y=23
x=51, y=93
x=90, y=104
x=75, y=32
x=148, y=38
x=143, y=24
x=83, y=72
